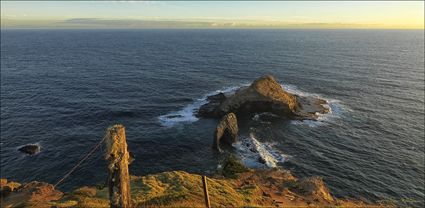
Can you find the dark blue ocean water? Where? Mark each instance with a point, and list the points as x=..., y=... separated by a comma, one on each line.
x=62, y=88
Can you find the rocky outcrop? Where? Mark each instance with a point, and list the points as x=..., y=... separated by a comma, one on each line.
x=314, y=187
x=211, y=109
x=33, y=194
x=226, y=131
x=244, y=188
x=263, y=95
x=310, y=107
x=7, y=187
x=30, y=149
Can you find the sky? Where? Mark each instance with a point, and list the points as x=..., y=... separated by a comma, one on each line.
x=134, y=14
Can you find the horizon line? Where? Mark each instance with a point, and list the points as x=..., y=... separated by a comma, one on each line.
x=202, y=28
x=101, y=23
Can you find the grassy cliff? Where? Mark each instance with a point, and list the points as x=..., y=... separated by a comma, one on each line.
x=234, y=186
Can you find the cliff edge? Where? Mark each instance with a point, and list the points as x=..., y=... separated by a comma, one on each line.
x=235, y=186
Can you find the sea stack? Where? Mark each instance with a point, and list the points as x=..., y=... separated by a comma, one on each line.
x=226, y=131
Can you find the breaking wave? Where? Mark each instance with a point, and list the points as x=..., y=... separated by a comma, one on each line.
x=335, y=107
x=188, y=113
x=255, y=154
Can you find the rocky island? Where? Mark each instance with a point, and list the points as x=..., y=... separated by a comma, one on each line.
x=263, y=95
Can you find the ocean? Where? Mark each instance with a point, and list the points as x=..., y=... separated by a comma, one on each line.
x=61, y=89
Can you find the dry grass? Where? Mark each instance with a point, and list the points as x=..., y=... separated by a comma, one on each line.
x=168, y=189
x=182, y=189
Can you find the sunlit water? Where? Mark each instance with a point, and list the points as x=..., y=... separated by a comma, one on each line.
x=62, y=88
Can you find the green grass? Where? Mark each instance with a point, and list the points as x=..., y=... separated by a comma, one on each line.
x=233, y=167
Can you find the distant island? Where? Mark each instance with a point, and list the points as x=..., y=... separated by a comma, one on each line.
x=99, y=23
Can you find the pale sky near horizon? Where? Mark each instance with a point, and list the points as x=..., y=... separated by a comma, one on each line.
x=382, y=14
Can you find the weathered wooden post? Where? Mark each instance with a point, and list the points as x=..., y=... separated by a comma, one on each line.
x=207, y=198
x=119, y=177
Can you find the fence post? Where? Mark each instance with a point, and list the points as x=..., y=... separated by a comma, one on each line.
x=119, y=177
x=207, y=198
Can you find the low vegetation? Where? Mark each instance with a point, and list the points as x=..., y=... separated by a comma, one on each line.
x=234, y=186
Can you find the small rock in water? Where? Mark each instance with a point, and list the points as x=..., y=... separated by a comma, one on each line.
x=174, y=116
x=30, y=149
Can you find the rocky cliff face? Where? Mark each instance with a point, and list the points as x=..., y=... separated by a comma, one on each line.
x=263, y=95
x=33, y=194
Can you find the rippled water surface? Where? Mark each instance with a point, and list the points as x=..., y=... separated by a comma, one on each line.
x=62, y=88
